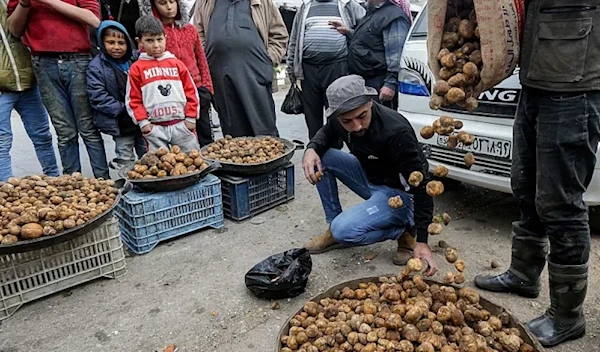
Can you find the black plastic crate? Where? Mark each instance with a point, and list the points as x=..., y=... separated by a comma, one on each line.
x=244, y=197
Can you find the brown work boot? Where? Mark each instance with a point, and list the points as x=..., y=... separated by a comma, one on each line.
x=406, y=244
x=322, y=243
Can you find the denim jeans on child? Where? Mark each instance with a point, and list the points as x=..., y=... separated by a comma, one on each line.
x=556, y=138
x=370, y=221
x=126, y=147
x=29, y=105
x=62, y=82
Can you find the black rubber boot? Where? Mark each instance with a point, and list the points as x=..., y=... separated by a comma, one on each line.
x=523, y=276
x=564, y=320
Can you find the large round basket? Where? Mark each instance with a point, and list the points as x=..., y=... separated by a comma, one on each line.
x=257, y=168
x=353, y=284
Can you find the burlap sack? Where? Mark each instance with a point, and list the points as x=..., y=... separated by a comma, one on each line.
x=499, y=22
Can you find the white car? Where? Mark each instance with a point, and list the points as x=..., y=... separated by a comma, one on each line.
x=491, y=123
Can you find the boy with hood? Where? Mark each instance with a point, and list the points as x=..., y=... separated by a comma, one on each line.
x=106, y=86
x=184, y=42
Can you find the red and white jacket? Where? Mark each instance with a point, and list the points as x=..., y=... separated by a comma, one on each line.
x=161, y=91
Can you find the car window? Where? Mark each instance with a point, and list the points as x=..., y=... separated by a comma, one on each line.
x=420, y=29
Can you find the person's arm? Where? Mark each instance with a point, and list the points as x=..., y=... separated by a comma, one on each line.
x=18, y=10
x=99, y=98
x=197, y=21
x=291, y=50
x=86, y=11
x=408, y=157
x=394, y=36
x=278, y=35
x=192, y=106
x=206, y=80
x=133, y=98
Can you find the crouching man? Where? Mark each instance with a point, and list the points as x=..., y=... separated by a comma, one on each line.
x=384, y=151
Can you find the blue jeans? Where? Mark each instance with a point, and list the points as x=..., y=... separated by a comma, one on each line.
x=29, y=105
x=370, y=221
x=62, y=82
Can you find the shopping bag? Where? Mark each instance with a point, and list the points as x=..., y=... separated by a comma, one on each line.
x=292, y=104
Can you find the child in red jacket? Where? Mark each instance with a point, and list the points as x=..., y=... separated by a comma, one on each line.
x=184, y=42
x=161, y=95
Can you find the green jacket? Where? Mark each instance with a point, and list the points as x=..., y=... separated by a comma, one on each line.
x=16, y=71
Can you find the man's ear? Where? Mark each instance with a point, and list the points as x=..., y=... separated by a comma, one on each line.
x=138, y=40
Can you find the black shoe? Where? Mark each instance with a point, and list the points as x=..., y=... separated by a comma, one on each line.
x=509, y=283
x=564, y=320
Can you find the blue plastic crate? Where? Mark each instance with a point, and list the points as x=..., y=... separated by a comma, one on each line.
x=146, y=219
x=244, y=197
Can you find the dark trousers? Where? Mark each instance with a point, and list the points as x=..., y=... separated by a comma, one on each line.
x=554, y=153
x=377, y=83
x=203, y=128
x=316, y=80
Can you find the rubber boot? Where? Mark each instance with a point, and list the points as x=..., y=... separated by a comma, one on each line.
x=564, y=320
x=323, y=243
x=406, y=245
x=523, y=277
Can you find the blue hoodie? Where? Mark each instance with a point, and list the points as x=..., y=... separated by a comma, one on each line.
x=106, y=97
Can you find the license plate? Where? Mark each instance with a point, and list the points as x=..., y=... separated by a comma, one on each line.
x=483, y=145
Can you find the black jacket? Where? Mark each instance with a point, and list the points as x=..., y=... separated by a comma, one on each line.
x=560, y=50
x=389, y=152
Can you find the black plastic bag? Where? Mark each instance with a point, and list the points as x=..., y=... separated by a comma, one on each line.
x=281, y=275
x=292, y=104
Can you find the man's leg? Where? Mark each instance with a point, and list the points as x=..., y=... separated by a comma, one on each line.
x=568, y=135
x=312, y=99
x=529, y=241
x=203, y=128
x=35, y=119
x=345, y=167
x=374, y=220
x=330, y=74
x=74, y=77
x=56, y=100
x=7, y=102
x=140, y=145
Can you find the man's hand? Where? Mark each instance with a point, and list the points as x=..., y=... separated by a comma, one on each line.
x=422, y=251
x=147, y=129
x=190, y=126
x=386, y=94
x=339, y=26
x=311, y=161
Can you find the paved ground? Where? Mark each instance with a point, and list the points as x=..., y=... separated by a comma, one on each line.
x=190, y=291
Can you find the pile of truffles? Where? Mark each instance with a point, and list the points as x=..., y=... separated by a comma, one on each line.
x=244, y=150
x=459, y=57
x=401, y=314
x=37, y=206
x=447, y=126
x=164, y=162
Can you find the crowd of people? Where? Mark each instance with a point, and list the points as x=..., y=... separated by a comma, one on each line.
x=92, y=78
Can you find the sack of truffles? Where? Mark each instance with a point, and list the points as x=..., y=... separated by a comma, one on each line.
x=473, y=45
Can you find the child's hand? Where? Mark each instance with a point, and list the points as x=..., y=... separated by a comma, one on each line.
x=147, y=129
x=190, y=126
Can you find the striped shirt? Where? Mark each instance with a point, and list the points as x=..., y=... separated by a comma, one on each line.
x=322, y=43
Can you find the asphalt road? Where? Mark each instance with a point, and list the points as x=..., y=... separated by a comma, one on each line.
x=190, y=291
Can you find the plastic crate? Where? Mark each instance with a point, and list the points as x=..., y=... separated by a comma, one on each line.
x=149, y=218
x=244, y=197
x=27, y=276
